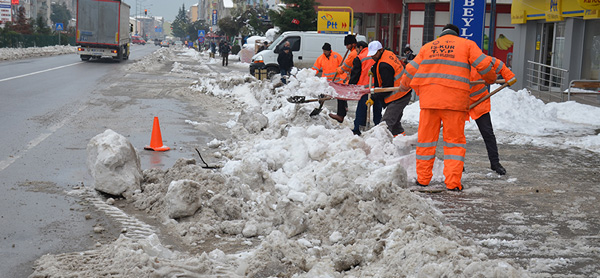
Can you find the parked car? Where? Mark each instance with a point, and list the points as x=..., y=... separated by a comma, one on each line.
x=138, y=40
x=164, y=44
x=157, y=42
x=179, y=43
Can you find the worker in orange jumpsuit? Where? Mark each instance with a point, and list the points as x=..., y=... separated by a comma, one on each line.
x=344, y=69
x=387, y=71
x=440, y=75
x=359, y=75
x=327, y=64
x=481, y=113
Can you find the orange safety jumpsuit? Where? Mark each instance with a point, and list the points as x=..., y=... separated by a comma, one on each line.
x=479, y=91
x=328, y=67
x=348, y=63
x=365, y=63
x=440, y=76
x=391, y=59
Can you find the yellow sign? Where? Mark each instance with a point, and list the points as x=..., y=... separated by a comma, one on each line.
x=591, y=14
x=333, y=22
x=555, y=11
x=589, y=4
x=537, y=45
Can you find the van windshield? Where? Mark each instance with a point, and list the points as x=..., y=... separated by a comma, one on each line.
x=275, y=43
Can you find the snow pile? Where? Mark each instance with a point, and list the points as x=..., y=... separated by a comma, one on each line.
x=301, y=196
x=21, y=53
x=152, y=62
x=114, y=164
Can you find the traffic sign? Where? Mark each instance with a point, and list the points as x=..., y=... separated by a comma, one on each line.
x=201, y=33
x=59, y=27
x=200, y=39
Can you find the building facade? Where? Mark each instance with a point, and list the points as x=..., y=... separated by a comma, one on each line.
x=557, y=41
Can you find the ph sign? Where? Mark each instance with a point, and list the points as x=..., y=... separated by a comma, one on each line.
x=469, y=17
x=333, y=22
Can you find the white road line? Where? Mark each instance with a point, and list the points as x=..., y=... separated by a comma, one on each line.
x=36, y=141
x=41, y=71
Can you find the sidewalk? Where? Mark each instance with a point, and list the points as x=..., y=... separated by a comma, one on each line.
x=543, y=214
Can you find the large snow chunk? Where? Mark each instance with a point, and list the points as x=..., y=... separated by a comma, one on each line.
x=253, y=120
x=183, y=198
x=114, y=164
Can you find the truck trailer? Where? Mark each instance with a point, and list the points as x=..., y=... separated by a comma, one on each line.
x=103, y=29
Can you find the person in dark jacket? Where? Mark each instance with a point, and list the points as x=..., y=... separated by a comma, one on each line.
x=286, y=62
x=225, y=53
x=408, y=53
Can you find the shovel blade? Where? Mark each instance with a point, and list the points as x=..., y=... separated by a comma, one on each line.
x=316, y=111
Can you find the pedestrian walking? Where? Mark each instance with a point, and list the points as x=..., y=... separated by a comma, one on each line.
x=225, y=49
x=285, y=59
x=342, y=105
x=387, y=72
x=440, y=75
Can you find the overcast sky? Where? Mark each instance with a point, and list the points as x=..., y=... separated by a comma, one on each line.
x=165, y=8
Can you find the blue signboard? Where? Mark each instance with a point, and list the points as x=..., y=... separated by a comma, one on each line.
x=215, y=17
x=469, y=16
x=201, y=33
x=59, y=27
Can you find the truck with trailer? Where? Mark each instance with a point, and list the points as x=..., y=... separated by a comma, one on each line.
x=103, y=29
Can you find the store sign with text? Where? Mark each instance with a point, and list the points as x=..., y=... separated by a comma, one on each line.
x=469, y=16
x=5, y=11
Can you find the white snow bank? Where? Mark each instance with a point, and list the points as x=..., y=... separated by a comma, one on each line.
x=20, y=53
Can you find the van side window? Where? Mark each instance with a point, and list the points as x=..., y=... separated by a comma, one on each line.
x=295, y=43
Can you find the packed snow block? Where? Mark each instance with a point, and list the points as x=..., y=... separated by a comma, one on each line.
x=253, y=120
x=114, y=164
x=183, y=198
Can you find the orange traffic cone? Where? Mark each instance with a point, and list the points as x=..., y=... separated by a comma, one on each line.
x=156, y=140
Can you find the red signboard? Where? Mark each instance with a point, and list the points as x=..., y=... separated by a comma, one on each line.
x=15, y=2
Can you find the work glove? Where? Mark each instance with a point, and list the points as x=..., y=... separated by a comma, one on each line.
x=340, y=70
x=512, y=81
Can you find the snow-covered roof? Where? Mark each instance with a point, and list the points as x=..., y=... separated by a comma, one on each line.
x=228, y=3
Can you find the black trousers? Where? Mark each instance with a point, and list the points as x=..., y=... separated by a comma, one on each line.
x=342, y=107
x=225, y=59
x=484, y=123
x=393, y=114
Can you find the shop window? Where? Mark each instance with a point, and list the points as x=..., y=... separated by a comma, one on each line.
x=591, y=51
x=370, y=20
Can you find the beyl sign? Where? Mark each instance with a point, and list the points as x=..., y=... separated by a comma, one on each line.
x=469, y=16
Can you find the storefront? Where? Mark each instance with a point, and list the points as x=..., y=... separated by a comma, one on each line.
x=376, y=19
x=424, y=22
x=557, y=41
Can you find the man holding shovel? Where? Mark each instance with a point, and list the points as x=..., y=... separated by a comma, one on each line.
x=481, y=113
x=387, y=71
x=327, y=65
x=350, y=43
x=440, y=75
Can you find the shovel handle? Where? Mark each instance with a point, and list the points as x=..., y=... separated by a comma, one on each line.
x=481, y=81
x=488, y=96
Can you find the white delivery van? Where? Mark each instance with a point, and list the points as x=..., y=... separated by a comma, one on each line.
x=306, y=47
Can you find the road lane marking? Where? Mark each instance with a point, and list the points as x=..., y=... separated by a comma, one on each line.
x=36, y=141
x=41, y=71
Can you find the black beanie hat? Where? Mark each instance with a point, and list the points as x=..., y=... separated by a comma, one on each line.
x=349, y=39
x=327, y=46
x=450, y=29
